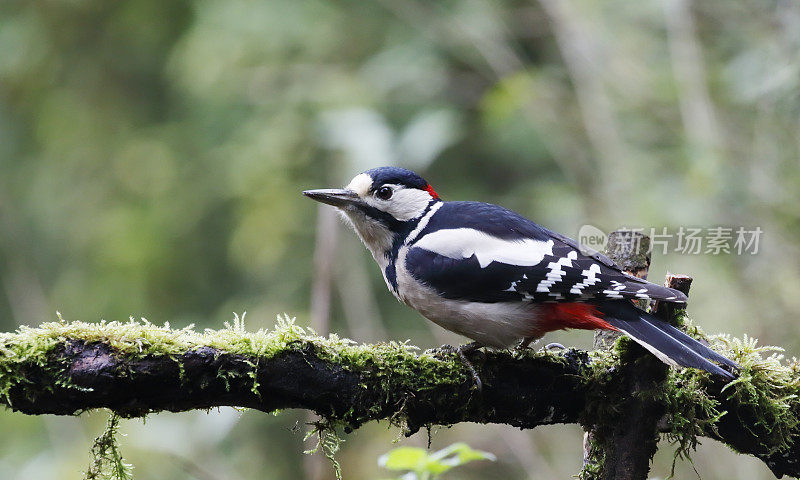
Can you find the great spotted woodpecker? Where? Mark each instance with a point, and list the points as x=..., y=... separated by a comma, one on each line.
x=496, y=277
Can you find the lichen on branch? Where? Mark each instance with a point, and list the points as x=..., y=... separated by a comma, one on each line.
x=137, y=367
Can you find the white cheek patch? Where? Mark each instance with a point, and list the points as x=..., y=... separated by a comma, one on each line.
x=466, y=242
x=375, y=203
x=407, y=203
x=360, y=184
x=404, y=204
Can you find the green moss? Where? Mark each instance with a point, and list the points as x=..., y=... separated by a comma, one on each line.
x=601, y=380
x=766, y=396
x=680, y=318
x=396, y=364
x=691, y=411
x=767, y=391
x=593, y=467
x=328, y=441
x=107, y=461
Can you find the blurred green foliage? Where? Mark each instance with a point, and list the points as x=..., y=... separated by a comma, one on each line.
x=152, y=154
x=422, y=465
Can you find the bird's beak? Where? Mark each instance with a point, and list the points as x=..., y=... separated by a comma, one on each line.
x=333, y=196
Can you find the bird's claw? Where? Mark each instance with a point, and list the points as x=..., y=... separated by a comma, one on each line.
x=554, y=346
x=461, y=351
x=524, y=345
x=475, y=378
x=439, y=352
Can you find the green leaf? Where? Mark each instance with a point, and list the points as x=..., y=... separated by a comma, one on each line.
x=421, y=462
x=404, y=458
x=461, y=453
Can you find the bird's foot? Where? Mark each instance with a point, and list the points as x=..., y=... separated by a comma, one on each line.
x=524, y=345
x=554, y=346
x=462, y=352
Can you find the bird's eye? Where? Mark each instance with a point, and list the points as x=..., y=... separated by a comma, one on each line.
x=384, y=193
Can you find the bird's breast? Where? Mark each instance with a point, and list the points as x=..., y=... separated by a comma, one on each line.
x=497, y=324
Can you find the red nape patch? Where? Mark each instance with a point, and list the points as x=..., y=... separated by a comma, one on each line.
x=559, y=316
x=430, y=191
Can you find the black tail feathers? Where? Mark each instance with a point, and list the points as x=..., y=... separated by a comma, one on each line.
x=666, y=342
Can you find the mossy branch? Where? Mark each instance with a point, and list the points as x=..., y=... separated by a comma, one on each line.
x=136, y=368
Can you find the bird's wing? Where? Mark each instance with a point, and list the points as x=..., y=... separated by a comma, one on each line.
x=530, y=264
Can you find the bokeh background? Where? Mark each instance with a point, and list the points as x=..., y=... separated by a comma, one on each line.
x=152, y=155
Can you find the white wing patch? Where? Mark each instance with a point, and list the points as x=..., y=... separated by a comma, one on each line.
x=591, y=278
x=554, y=273
x=466, y=242
x=612, y=294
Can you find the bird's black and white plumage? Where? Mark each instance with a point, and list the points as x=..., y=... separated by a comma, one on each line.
x=496, y=277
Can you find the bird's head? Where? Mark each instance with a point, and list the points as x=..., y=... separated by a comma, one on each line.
x=381, y=204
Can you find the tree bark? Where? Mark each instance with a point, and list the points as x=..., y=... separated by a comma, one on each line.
x=376, y=382
x=623, y=450
x=525, y=392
